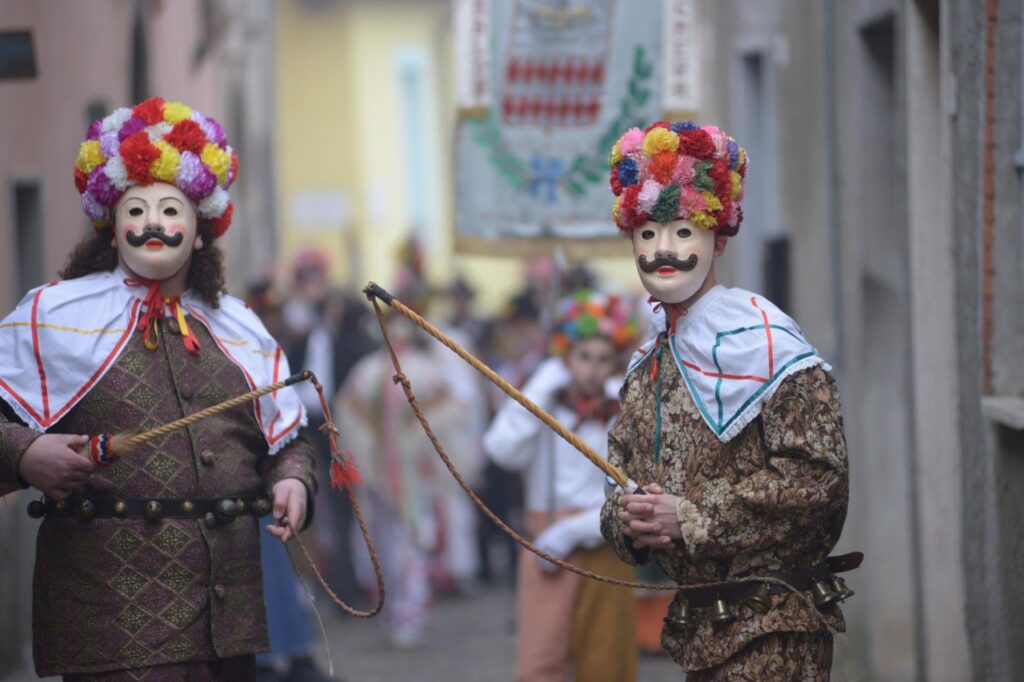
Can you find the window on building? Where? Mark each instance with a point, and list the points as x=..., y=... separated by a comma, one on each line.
x=754, y=116
x=139, y=57
x=95, y=110
x=17, y=55
x=28, y=236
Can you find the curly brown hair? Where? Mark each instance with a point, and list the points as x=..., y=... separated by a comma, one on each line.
x=205, y=272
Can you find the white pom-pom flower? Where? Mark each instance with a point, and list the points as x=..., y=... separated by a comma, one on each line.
x=115, y=120
x=117, y=173
x=214, y=205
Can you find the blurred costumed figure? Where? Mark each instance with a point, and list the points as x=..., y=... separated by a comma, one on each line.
x=565, y=621
x=404, y=482
x=289, y=616
x=731, y=424
x=148, y=567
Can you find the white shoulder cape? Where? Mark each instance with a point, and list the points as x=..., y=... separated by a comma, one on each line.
x=733, y=349
x=64, y=336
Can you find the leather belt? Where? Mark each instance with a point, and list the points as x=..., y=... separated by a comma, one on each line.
x=213, y=511
x=801, y=579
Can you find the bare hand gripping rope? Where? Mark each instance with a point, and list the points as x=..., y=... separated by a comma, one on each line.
x=375, y=294
x=105, y=449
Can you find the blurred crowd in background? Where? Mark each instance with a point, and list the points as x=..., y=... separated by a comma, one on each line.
x=434, y=543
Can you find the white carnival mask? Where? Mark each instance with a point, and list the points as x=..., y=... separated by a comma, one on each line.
x=155, y=231
x=673, y=259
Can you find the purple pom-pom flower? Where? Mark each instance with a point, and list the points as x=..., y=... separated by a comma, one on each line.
x=94, y=130
x=96, y=212
x=211, y=129
x=110, y=144
x=130, y=127
x=193, y=178
x=100, y=187
x=734, y=155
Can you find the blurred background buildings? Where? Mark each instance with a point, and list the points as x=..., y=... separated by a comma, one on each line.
x=883, y=212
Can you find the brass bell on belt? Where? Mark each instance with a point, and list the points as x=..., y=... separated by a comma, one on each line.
x=823, y=594
x=678, y=617
x=86, y=511
x=723, y=613
x=261, y=506
x=153, y=511
x=225, y=510
x=839, y=587
x=762, y=599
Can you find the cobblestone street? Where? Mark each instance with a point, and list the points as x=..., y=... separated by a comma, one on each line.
x=469, y=638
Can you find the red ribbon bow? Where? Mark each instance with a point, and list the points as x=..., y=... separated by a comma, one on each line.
x=154, y=303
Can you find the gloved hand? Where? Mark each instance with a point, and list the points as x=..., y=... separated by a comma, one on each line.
x=562, y=537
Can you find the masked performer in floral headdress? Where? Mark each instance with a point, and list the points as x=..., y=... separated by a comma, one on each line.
x=149, y=568
x=565, y=621
x=730, y=422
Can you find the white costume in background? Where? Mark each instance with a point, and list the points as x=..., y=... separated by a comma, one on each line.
x=564, y=619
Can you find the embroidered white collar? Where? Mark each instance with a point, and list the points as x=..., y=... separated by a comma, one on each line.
x=733, y=349
x=64, y=336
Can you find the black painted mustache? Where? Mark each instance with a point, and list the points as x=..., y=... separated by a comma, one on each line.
x=147, y=234
x=668, y=261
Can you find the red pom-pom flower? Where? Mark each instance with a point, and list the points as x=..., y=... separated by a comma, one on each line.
x=139, y=154
x=151, y=111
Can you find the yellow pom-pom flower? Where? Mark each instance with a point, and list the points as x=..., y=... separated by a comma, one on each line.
x=660, y=140
x=616, y=214
x=165, y=166
x=218, y=160
x=176, y=111
x=711, y=202
x=615, y=156
x=737, y=184
x=703, y=220
x=89, y=156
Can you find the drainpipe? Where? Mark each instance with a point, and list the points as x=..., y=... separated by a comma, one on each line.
x=832, y=152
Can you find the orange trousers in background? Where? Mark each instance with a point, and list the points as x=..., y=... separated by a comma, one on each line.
x=567, y=621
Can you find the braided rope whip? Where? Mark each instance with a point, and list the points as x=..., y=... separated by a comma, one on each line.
x=124, y=443
x=375, y=293
x=131, y=440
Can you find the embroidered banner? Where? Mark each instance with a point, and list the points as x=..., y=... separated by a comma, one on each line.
x=565, y=80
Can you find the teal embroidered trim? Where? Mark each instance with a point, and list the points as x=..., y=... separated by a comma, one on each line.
x=657, y=405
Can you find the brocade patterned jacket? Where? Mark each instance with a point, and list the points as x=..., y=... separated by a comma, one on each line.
x=772, y=498
x=111, y=594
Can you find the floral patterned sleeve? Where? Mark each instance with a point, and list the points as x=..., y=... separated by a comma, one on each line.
x=611, y=525
x=14, y=441
x=798, y=498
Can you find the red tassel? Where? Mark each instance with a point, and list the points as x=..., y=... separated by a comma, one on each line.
x=344, y=473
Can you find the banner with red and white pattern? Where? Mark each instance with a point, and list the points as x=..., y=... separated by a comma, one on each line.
x=544, y=88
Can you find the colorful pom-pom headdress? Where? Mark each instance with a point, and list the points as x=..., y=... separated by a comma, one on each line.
x=679, y=170
x=588, y=314
x=157, y=141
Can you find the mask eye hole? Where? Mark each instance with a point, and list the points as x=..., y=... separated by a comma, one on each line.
x=135, y=211
x=170, y=211
x=684, y=233
x=647, y=234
